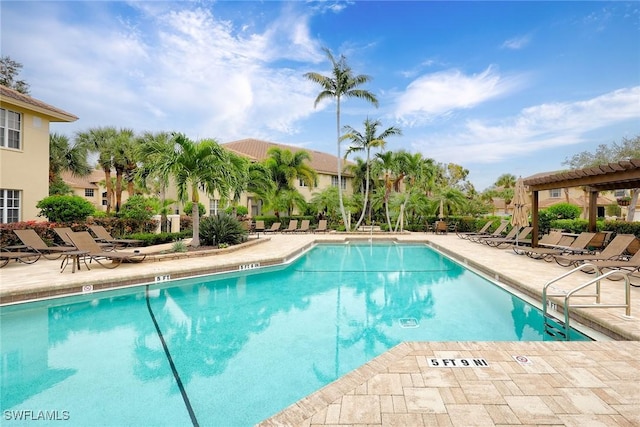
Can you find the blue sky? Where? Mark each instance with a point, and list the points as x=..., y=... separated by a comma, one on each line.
x=497, y=87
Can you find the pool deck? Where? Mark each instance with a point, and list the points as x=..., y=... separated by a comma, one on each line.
x=555, y=383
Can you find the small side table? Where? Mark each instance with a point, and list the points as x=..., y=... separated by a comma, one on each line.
x=74, y=257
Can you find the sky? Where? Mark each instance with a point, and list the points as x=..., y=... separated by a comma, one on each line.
x=496, y=87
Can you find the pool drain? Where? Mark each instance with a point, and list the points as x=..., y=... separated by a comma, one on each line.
x=409, y=322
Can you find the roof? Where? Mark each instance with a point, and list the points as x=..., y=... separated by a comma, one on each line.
x=54, y=114
x=256, y=150
x=620, y=175
x=88, y=181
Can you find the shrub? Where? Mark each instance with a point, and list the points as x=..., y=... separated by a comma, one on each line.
x=137, y=207
x=150, y=239
x=564, y=211
x=188, y=208
x=240, y=210
x=221, y=229
x=65, y=208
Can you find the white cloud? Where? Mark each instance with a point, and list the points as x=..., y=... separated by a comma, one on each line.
x=517, y=43
x=535, y=128
x=439, y=94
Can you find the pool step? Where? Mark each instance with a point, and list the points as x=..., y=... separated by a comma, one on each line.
x=555, y=328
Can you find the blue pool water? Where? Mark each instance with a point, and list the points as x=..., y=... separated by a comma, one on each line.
x=232, y=350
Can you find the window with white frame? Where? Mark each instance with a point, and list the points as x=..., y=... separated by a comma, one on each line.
x=88, y=192
x=556, y=193
x=10, y=129
x=619, y=193
x=301, y=183
x=214, y=206
x=9, y=206
x=334, y=182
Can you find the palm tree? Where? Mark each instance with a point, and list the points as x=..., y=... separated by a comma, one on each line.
x=65, y=156
x=340, y=84
x=286, y=167
x=101, y=140
x=124, y=162
x=365, y=142
x=508, y=182
x=192, y=165
x=387, y=166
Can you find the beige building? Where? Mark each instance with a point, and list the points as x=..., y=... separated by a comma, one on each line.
x=326, y=166
x=92, y=187
x=24, y=153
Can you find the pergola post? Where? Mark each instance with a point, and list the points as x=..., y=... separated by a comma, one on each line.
x=593, y=209
x=534, y=219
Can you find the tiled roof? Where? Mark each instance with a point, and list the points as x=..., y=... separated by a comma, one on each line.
x=256, y=149
x=83, y=181
x=14, y=97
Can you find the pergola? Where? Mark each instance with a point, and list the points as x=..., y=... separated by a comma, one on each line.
x=611, y=176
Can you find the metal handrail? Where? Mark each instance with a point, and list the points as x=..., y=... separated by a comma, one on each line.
x=572, y=292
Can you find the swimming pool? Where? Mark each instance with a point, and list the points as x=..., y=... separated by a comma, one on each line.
x=234, y=349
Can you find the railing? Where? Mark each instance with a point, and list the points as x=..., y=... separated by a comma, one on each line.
x=552, y=330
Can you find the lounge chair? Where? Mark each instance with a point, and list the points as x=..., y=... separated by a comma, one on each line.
x=628, y=266
x=552, y=238
x=304, y=226
x=440, y=227
x=83, y=241
x=293, y=224
x=498, y=242
x=63, y=234
x=23, y=257
x=579, y=245
x=496, y=233
x=259, y=227
x=275, y=227
x=482, y=231
x=322, y=226
x=103, y=236
x=614, y=250
x=34, y=243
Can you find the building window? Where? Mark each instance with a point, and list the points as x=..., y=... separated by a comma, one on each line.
x=88, y=192
x=301, y=183
x=213, y=207
x=619, y=193
x=334, y=182
x=555, y=194
x=9, y=129
x=9, y=206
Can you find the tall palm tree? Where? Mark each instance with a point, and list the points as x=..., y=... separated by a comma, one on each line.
x=508, y=182
x=124, y=162
x=192, y=165
x=342, y=83
x=65, y=156
x=386, y=164
x=101, y=140
x=365, y=142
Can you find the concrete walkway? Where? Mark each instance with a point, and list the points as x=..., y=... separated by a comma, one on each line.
x=568, y=383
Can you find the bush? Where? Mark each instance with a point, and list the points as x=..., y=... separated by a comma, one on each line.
x=240, y=210
x=221, y=229
x=65, y=208
x=564, y=211
x=188, y=208
x=137, y=207
x=150, y=239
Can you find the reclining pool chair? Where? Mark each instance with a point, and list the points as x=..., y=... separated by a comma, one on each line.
x=275, y=227
x=482, y=231
x=498, y=242
x=83, y=241
x=63, y=234
x=613, y=251
x=496, y=233
x=322, y=226
x=23, y=257
x=293, y=225
x=579, y=245
x=628, y=266
x=103, y=235
x=304, y=226
x=34, y=243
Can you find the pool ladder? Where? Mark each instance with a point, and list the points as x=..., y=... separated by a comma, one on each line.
x=559, y=329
